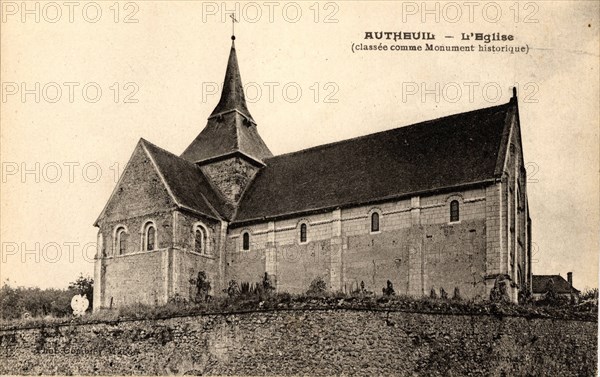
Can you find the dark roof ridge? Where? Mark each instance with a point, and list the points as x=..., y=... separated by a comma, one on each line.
x=322, y=146
x=164, y=150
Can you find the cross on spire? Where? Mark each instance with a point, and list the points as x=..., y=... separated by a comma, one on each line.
x=233, y=21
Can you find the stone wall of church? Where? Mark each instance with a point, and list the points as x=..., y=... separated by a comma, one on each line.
x=188, y=260
x=136, y=275
x=417, y=247
x=133, y=278
x=250, y=265
x=514, y=230
x=152, y=277
x=230, y=176
x=134, y=227
x=139, y=191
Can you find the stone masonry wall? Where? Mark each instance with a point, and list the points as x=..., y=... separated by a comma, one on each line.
x=139, y=192
x=133, y=278
x=308, y=342
x=137, y=275
x=417, y=247
x=230, y=176
x=186, y=262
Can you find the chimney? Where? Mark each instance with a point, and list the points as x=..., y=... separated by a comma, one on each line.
x=570, y=278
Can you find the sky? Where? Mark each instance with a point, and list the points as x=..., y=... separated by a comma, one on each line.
x=82, y=83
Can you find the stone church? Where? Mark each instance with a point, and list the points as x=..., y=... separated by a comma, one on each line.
x=436, y=205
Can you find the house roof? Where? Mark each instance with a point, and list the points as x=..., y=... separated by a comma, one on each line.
x=541, y=284
x=447, y=152
x=189, y=187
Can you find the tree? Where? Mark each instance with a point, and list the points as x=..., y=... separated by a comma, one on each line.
x=84, y=286
x=10, y=302
x=16, y=302
x=203, y=287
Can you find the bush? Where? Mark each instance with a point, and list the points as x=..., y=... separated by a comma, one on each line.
x=267, y=285
x=432, y=293
x=456, y=295
x=589, y=294
x=249, y=291
x=525, y=297
x=317, y=287
x=443, y=294
x=232, y=289
x=361, y=290
x=15, y=302
x=178, y=306
x=499, y=292
x=203, y=287
x=389, y=289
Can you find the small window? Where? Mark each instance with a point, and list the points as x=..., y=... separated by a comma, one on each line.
x=303, y=233
x=121, y=241
x=375, y=222
x=454, y=211
x=199, y=240
x=149, y=236
x=246, y=241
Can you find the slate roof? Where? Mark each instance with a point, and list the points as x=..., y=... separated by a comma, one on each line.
x=232, y=95
x=456, y=150
x=441, y=154
x=231, y=135
x=540, y=284
x=230, y=127
x=190, y=188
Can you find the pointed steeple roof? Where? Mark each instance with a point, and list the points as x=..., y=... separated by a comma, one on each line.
x=232, y=96
x=230, y=128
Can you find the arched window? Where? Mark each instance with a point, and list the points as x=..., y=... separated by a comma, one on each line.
x=200, y=245
x=121, y=240
x=375, y=222
x=149, y=236
x=303, y=233
x=454, y=211
x=246, y=241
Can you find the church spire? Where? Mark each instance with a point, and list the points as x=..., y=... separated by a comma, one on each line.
x=230, y=130
x=232, y=96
